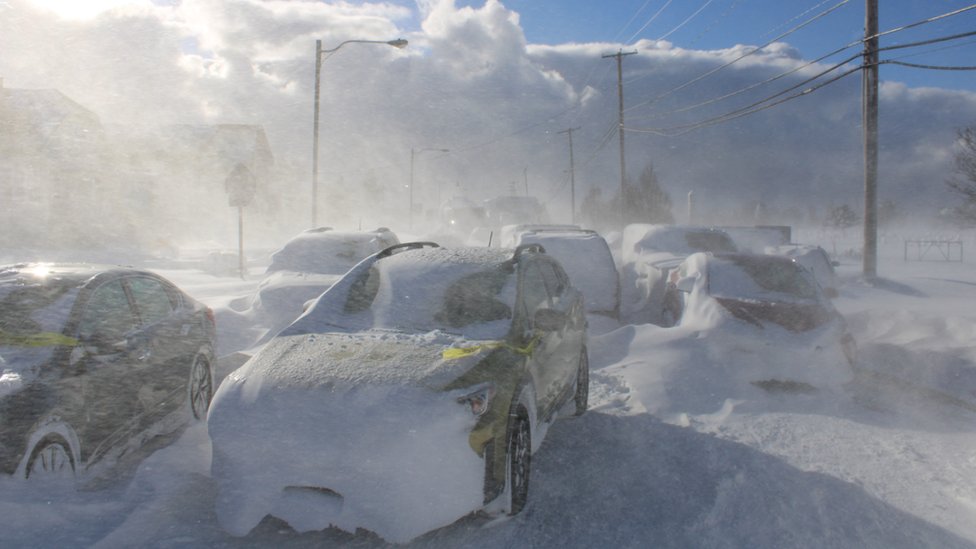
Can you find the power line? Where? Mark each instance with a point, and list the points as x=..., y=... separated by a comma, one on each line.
x=631, y=20
x=755, y=85
x=722, y=16
x=685, y=22
x=852, y=44
x=794, y=18
x=932, y=67
x=739, y=58
x=930, y=41
x=920, y=23
x=739, y=113
x=649, y=21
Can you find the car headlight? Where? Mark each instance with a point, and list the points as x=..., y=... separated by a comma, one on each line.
x=479, y=400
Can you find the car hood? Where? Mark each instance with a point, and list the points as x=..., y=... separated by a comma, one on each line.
x=331, y=360
x=19, y=366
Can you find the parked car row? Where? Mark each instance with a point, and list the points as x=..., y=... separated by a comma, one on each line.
x=392, y=374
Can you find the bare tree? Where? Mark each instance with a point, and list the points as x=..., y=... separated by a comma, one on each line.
x=963, y=179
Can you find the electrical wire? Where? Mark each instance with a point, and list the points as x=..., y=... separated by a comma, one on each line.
x=852, y=44
x=739, y=113
x=685, y=22
x=922, y=22
x=755, y=85
x=737, y=59
x=927, y=42
x=631, y=20
x=649, y=21
x=932, y=67
x=794, y=18
x=722, y=16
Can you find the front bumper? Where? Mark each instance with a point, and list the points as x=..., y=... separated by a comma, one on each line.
x=394, y=460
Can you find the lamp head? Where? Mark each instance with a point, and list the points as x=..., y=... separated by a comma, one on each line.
x=399, y=43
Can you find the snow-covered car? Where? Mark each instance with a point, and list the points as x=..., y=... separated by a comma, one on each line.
x=326, y=251
x=767, y=315
x=648, y=253
x=412, y=392
x=585, y=256
x=94, y=361
x=300, y=271
x=815, y=259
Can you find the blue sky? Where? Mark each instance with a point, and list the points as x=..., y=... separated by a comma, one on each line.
x=723, y=23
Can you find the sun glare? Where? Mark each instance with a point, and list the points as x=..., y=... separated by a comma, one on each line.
x=73, y=9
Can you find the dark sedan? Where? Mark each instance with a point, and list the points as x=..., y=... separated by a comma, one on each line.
x=94, y=362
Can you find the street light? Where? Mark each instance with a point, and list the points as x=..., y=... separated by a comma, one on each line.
x=413, y=153
x=398, y=43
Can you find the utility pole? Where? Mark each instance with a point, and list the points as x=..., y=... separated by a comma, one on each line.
x=869, y=86
x=572, y=177
x=620, y=124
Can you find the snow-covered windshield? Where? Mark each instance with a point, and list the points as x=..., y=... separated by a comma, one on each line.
x=470, y=299
x=761, y=277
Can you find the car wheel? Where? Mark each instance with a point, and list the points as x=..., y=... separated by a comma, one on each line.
x=519, y=461
x=200, y=386
x=51, y=460
x=582, y=395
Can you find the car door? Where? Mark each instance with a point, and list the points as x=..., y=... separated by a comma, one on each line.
x=167, y=343
x=109, y=370
x=568, y=335
x=545, y=343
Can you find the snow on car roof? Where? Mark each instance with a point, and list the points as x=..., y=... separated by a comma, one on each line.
x=326, y=251
x=645, y=238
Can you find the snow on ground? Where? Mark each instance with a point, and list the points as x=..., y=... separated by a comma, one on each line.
x=666, y=457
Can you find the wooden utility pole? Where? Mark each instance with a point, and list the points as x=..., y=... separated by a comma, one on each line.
x=869, y=85
x=620, y=124
x=572, y=177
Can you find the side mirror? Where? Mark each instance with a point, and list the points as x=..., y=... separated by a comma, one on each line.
x=685, y=284
x=550, y=320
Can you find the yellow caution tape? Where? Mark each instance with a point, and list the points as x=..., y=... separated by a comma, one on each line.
x=41, y=339
x=455, y=353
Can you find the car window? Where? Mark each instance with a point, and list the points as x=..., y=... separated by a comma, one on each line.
x=534, y=295
x=473, y=299
x=555, y=279
x=107, y=316
x=363, y=291
x=152, y=298
x=709, y=242
x=760, y=278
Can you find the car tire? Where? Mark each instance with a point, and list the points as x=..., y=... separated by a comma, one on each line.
x=519, y=460
x=51, y=460
x=581, y=397
x=200, y=386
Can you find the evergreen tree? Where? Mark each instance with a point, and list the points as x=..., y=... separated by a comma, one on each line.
x=646, y=202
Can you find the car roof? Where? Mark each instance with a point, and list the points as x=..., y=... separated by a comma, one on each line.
x=65, y=274
x=460, y=256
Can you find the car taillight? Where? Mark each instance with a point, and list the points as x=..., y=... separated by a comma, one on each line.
x=210, y=316
x=479, y=400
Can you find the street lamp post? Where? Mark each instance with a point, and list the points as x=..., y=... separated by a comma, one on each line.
x=398, y=43
x=413, y=153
